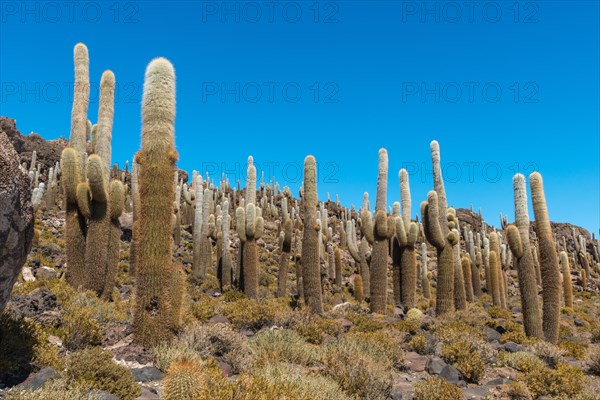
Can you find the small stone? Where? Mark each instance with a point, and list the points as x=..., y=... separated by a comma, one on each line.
x=147, y=374
x=225, y=368
x=148, y=394
x=46, y=273
x=578, y=322
x=491, y=334
x=55, y=341
x=27, y=274
x=102, y=395
x=218, y=319
x=512, y=347
x=415, y=361
x=346, y=324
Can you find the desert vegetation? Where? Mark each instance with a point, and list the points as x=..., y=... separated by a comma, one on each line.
x=145, y=282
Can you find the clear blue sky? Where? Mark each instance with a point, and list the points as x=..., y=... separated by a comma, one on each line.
x=503, y=86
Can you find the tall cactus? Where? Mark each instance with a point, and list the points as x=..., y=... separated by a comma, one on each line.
x=157, y=158
x=404, y=243
x=73, y=169
x=226, y=265
x=249, y=225
x=466, y=270
x=359, y=254
x=445, y=254
x=310, y=242
x=197, y=269
x=567, y=286
x=519, y=243
x=382, y=232
x=548, y=260
x=495, y=270
x=286, y=247
x=92, y=219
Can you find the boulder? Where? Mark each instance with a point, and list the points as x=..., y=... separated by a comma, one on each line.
x=16, y=218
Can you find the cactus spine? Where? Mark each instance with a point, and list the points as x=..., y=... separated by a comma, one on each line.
x=381, y=235
x=225, y=265
x=157, y=158
x=494, y=274
x=466, y=269
x=548, y=260
x=358, y=288
x=338, y=266
x=310, y=242
x=567, y=286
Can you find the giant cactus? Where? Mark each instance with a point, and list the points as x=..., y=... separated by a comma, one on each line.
x=519, y=243
x=286, y=247
x=383, y=230
x=548, y=260
x=437, y=232
x=73, y=169
x=566, y=273
x=92, y=217
x=156, y=158
x=310, y=242
x=495, y=270
x=249, y=225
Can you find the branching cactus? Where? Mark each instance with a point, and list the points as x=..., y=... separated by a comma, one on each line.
x=358, y=253
x=310, y=242
x=250, y=227
x=548, y=260
x=73, y=171
x=404, y=243
x=383, y=231
x=519, y=244
x=157, y=157
x=566, y=273
x=286, y=247
x=443, y=243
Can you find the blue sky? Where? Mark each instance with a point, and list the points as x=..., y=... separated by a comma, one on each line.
x=504, y=86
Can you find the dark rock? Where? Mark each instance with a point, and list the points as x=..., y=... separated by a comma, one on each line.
x=450, y=374
x=39, y=379
x=346, y=324
x=16, y=217
x=578, y=322
x=435, y=365
x=37, y=302
x=512, y=347
x=491, y=334
x=147, y=374
x=416, y=362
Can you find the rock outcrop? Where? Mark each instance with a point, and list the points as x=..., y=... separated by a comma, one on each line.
x=16, y=217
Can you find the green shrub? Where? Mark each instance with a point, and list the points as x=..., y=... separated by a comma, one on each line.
x=219, y=341
x=436, y=389
x=166, y=353
x=466, y=356
x=282, y=345
x=94, y=368
x=573, y=349
x=361, y=371
x=58, y=389
x=250, y=314
x=565, y=381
